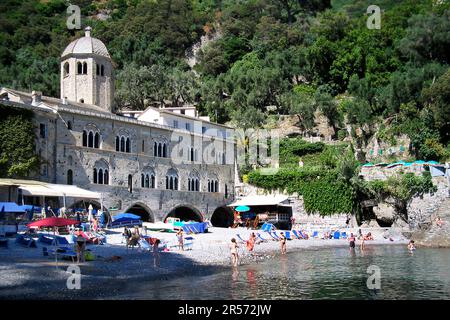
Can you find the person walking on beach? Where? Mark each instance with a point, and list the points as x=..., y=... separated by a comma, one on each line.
x=180, y=239
x=251, y=242
x=80, y=248
x=283, y=243
x=352, y=240
x=156, y=253
x=234, y=253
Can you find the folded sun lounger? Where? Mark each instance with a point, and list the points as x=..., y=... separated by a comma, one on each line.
x=240, y=238
x=275, y=236
x=288, y=235
x=261, y=238
x=297, y=234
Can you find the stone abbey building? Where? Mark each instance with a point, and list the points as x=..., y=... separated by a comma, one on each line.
x=155, y=163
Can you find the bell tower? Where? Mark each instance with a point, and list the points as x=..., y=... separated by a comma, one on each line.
x=87, y=73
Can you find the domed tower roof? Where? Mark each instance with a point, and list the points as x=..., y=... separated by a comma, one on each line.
x=86, y=45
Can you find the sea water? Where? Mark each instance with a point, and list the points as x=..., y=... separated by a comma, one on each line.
x=324, y=273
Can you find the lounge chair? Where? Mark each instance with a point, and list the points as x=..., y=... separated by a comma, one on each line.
x=63, y=252
x=47, y=239
x=4, y=243
x=297, y=235
x=25, y=241
x=288, y=235
x=275, y=236
x=188, y=243
x=261, y=238
x=240, y=238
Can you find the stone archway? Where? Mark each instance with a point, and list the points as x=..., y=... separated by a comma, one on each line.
x=185, y=213
x=143, y=211
x=222, y=217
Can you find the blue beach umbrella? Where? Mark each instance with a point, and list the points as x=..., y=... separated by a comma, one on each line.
x=242, y=209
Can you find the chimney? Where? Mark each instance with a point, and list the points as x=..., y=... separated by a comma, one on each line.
x=36, y=98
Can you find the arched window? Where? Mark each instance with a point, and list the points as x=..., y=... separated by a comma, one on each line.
x=192, y=154
x=84, y=68
x=159, y=149
x=97, y=70
x=142, y=180
x=85, y=138
x=152, y=180
x=164, y=150
x=122, y=144
x=155, y=149
x=117, y=143
x=106, y=177
x=101, y=172
x=97, y=140
x=69, y=125
x=147, y=181
x=197, y=185
x=172, y=179
x=102, y=70
x=209, y=185
x=130, y=183
x=128, y=146
x=66, y=69
x=226, y=191
x=69, y=177
x=79, y=68
x=100, y=176
x=216, y=186
x=91, y=139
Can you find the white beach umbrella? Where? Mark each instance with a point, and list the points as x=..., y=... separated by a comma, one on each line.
x=90, y=212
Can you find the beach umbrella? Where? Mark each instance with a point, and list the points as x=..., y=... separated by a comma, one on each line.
x=53, y=222
x=90, y=213
x=242, y=209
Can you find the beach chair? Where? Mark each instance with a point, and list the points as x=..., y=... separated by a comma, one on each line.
x=288, y=235
x=3, y=243
x=297, y=235
x=25, y=241
x=188, y=243
x=240, y=238
x=261, y=238
x=344, y=235
x=275, y=236
x=46, y=239
x=336, y=235
x=315, y=234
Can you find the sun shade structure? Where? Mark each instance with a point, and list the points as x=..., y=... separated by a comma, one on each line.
x=242, y=208
x=57, y=190
x=10, y=207
x=53, y=222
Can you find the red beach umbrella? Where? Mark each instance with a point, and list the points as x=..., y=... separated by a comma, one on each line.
x=53, y=222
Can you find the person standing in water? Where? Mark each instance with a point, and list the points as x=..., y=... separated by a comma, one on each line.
x=234, y=252
x=156, y=253
x=180, y=239
x=352, y=240
x=411, y=246
x=283, y=243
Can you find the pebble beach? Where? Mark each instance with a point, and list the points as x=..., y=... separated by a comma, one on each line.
x=27, y=274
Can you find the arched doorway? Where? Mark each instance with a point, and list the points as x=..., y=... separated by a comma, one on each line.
x=185, y=213
x=222, y=217
x=143, y=211
x=83, y=205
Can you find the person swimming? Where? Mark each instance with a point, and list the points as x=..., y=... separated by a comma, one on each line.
x=411, y=246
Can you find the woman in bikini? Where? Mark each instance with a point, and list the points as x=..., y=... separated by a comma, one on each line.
x=283, y=243
x=234, y=252
x=352, y=240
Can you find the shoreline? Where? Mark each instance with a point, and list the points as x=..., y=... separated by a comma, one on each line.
x=25, y=272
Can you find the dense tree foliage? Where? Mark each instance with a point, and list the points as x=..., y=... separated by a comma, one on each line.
x=268, y=57
x=17, y=147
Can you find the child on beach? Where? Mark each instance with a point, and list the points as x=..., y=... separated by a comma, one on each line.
x=180, y=239
x=234, y=252
x=156, y=253
x=283, y=243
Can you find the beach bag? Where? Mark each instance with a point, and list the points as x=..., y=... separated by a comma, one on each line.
x=89, y=256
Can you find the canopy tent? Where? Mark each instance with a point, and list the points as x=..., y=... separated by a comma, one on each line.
x=11, y=207
x=269, y=200
x=57, y=190
x=53, y=222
